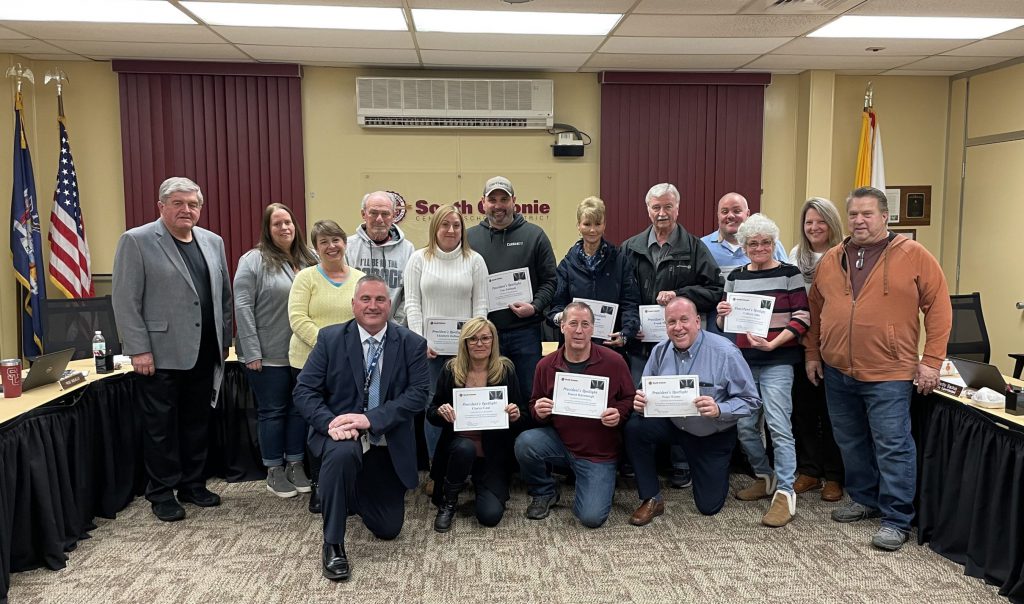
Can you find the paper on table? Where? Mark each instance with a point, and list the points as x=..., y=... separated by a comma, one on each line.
x=507, y=287
x=580, y=395
x=652, y=323
x=750, y=312
x=604, y=316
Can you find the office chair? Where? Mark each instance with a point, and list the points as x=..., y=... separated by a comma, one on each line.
x=72, y=323
x=968, y=339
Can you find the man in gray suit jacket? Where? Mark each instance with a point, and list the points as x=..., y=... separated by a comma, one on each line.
x=172, y=298
x=360, y=389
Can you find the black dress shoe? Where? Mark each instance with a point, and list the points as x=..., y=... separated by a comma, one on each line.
x=168, y=510
x=201, y=496
x=314, y=500
x=335, y=562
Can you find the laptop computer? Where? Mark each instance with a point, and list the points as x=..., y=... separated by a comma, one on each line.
x=978, y=375
x=47, y=369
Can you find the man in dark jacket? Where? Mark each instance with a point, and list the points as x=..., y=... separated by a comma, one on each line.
x=670, y=262
x=506, y=242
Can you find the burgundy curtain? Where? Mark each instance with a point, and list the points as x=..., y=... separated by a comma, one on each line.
x=700, y=132
x=235, y=129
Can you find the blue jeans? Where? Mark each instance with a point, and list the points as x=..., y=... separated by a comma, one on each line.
x=775, y=383
x=432, y=433
x=595, y=481
x=871, y=423
x=282, y=431
x=522, y=347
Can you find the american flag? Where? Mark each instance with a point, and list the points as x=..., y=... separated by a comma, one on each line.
x=69, y=252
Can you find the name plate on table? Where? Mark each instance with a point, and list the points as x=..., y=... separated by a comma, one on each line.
x=72, y=379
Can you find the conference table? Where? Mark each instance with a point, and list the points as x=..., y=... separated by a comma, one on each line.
x=71, y=456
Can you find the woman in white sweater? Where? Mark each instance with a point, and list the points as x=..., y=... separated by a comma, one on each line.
x=445, y=280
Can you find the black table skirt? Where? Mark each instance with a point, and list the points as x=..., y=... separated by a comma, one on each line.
x=79, y=458
x=970, y=505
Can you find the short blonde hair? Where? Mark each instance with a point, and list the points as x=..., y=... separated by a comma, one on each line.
x=591, y=208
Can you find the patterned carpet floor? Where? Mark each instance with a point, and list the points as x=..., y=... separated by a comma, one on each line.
x=260, y=549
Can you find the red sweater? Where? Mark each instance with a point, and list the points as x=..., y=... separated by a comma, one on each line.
x=587, y=438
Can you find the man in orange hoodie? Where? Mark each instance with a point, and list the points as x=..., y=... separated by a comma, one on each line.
x=865, y=304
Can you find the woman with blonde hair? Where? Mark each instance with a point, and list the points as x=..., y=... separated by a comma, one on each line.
x=444, y=280
x=817, y=454
x=485, y=455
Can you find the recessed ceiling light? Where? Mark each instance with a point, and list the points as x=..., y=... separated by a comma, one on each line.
x=949, y=28
x=298, y=15
x=94, y=11
x=513, y=22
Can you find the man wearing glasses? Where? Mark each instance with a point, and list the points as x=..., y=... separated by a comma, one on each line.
x=865, y=304
x=379, y=247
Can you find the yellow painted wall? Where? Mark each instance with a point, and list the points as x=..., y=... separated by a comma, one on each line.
x=779, y=157
x=913, y=114
x=93, y=122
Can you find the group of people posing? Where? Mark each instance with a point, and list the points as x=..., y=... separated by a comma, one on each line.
x=332, y=339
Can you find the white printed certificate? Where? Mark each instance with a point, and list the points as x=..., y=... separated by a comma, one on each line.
x=652, y=323
x=480, y=408
x=443, y=335
x=750, y=312
x=604, y=316
x=507, y=287
x=671, y=395
x=580, y=395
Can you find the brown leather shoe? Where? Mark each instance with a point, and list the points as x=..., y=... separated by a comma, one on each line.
x=805, y=482
x=761, y=488
x=833, y=491
x=781, y=511
x=648, y=510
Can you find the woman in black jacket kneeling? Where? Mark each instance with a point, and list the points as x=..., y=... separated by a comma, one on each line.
x=483, y=455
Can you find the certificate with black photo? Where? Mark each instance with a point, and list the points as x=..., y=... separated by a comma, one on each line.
x=670, y=395
x=652, y=323
x=580, y=395
x=443, y=334
x=507, y=287
x=750, y=313
x=480, y=408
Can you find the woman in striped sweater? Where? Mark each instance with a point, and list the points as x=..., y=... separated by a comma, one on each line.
x=445, y=280
x=771, y=361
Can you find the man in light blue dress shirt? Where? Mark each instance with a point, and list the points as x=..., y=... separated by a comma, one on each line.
x=727, y=393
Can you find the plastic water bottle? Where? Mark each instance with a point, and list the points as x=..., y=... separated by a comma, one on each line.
x=99, y=351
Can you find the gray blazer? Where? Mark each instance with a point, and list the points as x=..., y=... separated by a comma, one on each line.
x=156, y=305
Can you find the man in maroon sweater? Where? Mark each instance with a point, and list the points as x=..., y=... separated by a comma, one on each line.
x=589, y=446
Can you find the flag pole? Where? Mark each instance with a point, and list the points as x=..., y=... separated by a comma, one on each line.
x=58, y=76
x=869, y=96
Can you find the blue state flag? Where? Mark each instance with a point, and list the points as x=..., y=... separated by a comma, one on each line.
x=26, y=243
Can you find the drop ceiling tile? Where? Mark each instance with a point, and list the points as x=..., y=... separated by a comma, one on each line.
x=20, y=47
x=692, y=7
x=548, y=6
x=729, y=26
x=375, y=3
x=139, y=50
x=771, y=71
x=119, y=32
x=354, y=56
x=336, y=38
x=990, y=48
x=691, y=46
x=10, y=34
x=857, y=46
x=931, y=8
x=806, y=7
x=859, y=72
x=525, y=60
x=945, y=63
x=829, y=62
x=920, y=72
x=643, y=61
x=490, y=42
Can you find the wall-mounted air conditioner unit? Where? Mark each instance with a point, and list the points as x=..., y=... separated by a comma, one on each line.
x=454, y=103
